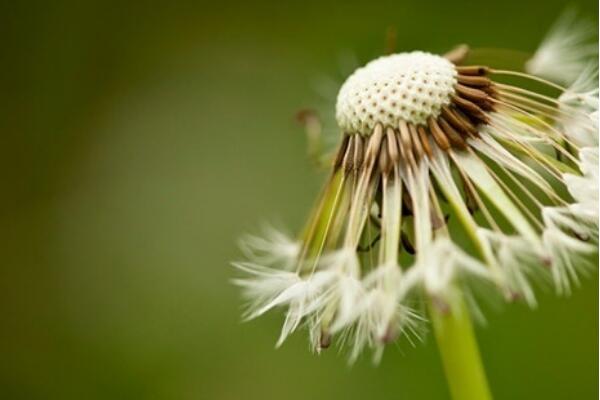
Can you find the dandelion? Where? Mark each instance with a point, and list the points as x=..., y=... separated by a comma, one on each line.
x=447, y=185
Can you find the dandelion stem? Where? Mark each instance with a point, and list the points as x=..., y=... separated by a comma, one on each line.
x=459, y=352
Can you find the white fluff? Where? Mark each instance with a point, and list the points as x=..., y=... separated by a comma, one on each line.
x=565, y=51
x=584, y=188
x=580, y=107
x=568, y=240
x=382, y=314
x=273, y=247
x=440, y=267
x=519, y=264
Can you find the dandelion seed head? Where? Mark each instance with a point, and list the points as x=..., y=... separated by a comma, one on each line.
x=406, y=86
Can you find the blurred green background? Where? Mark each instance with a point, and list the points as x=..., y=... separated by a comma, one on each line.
x=139, y=140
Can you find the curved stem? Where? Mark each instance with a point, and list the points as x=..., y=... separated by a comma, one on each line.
x=459, y=352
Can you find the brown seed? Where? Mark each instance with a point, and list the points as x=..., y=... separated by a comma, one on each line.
x=359, y=152
x=417, y=148
x=339, y=158
x=438, y=135
x=469, y=93
x=451, y=133
x=385, y=165
x=405, y=140
x=474, y=81
x=392, y=146
x=324, y=340
x=399, y=143
x=348, y=161
x=454, y=120
x=466, y=121
x=424, y=140
x=470, y=108
x=373, y=145
x=473, y=70
x=491, y=90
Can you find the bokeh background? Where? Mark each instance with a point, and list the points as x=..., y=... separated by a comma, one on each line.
x=139, y=140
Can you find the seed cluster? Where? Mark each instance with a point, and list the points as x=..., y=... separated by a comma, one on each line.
x=409, y=140
x=403, y=87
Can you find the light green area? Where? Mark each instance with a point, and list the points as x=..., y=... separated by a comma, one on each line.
x=460, y=353
x=139, y=142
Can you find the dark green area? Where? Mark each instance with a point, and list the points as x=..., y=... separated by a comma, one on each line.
x=140, y=140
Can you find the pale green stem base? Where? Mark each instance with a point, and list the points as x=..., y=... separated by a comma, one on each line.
x=460, y=354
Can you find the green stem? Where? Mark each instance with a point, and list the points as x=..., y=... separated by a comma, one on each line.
x=460, y=354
